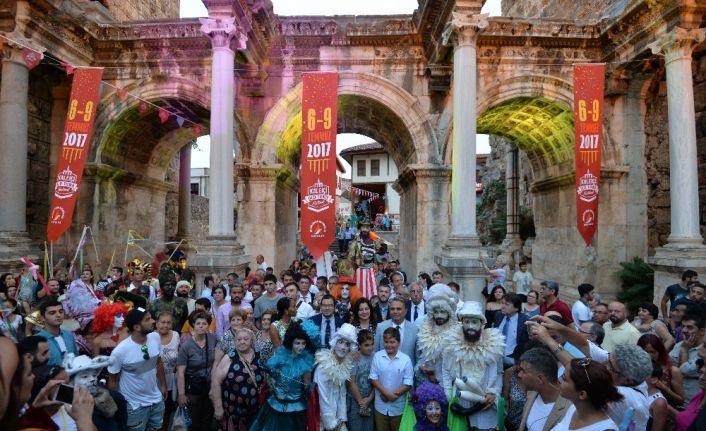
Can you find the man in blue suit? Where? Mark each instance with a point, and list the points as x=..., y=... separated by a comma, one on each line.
x=511, y=324
x=328, y=321
x=408, y=331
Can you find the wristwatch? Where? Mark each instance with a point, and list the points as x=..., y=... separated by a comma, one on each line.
x=557, y=349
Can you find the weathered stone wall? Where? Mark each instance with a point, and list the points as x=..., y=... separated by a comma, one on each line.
x=38, y=144
x=571, y=9
x=199, y=216
x=141, y=10
x=657, y=154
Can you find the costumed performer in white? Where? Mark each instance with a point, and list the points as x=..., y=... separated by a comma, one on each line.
x=333, y=370
x=473, y=367
x=439, y=324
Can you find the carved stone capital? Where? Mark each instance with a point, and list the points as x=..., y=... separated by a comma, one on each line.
x=222, y=32
x=14, y=45
x=678, y=43
x=464, y=28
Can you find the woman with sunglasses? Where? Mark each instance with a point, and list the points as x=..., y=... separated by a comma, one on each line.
x=589, y=386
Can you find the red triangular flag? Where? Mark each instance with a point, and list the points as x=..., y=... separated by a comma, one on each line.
x=197, y=130
x=143, y=107
x=122, y=94
x=69, y=68
x=32, y=58
x=163, y=115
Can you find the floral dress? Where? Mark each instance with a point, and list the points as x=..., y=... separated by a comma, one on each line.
x=239, y=396
x=263, y=346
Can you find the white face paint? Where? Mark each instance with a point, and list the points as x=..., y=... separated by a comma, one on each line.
x=298, y=345
x=433, y=411
x=119, y=320
x=472, y=323
x=345, y=291
x=342, y=348
x=85, y=378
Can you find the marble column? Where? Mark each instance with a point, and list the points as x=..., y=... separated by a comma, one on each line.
x=13, y=141
x=221, y=200
x=512, y=241
x=459, y=256
x=684, y=248
x=677, y=47
x=184, y=223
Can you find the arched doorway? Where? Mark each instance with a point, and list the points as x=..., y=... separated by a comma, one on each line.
x=368, y=105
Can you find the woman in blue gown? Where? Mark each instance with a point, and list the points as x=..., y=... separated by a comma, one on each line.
x=290, y=369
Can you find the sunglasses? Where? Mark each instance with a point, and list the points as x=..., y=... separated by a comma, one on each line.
x=145, y=353
x=585, y=363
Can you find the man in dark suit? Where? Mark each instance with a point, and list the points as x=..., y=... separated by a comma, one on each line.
x=382, y=308
x=512, y=325
x=328, y=321
x=416, y=306
x=408, y=331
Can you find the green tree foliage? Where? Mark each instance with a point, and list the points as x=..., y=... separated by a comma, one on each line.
x=638, y=281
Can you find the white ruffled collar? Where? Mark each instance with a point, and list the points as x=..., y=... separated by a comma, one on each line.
x=334, y=371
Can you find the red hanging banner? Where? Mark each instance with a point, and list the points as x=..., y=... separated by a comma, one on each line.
x=74, y=150
x=318, y=161
x=589, y=86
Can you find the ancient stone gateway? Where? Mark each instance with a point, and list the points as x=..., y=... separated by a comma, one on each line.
x=407, y=81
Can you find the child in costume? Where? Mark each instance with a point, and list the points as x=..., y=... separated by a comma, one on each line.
x=290, y=369
x=430, y=406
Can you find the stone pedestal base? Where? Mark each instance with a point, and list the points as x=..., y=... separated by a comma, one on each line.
x=459, y=258
x=14, y=245
x=670, y=261
x=219, y=254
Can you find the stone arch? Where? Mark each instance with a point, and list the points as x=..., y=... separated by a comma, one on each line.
x=366, y=94
x=126, y=132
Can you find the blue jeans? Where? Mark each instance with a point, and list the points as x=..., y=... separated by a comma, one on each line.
x=145, y=417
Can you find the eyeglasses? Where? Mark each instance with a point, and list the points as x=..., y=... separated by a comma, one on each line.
x=585, y=363
x=145, y=353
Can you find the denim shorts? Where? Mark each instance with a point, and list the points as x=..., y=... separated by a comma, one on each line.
x=145, y=417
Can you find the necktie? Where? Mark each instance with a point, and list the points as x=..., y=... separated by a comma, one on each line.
x=416, y=313
x=327, y=335
x=506, y=326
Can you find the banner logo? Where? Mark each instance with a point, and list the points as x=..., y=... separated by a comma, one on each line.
x=317, y=229
x=318, y=197
x=588, y=187
x=66, y=184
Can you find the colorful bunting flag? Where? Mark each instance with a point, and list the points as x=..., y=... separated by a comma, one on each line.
x=180, y=121
x=143, y=107
x=163, y=115
x=197, y=130
x=31, y=57
x=122, y=94
x=69, y=68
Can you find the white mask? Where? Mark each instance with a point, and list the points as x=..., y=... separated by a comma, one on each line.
x=298, y=345
x=345, y=291
x=86, y=378
x=119, y=320
x=342, y=348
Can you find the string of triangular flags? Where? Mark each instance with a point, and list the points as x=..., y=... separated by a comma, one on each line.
x=371, y=196
x=32, y=58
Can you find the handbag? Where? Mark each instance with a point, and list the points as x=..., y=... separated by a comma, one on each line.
x=197, y=385
x=182, y=419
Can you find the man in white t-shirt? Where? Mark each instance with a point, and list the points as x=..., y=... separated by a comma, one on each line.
x=522, y=281
x=581, y=311
x=545, y=406
x=136, y=371
x=630, y=367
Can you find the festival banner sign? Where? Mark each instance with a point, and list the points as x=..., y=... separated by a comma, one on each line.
x=318, y=161
x=81, y=114
x=589, y=85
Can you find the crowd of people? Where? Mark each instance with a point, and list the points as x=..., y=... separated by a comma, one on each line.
x=148, y=349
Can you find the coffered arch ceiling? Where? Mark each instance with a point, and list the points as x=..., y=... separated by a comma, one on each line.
x=543, y=128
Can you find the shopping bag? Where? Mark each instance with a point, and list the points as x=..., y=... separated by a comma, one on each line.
x=454, y=421
x=409, y=419
x=182, y=420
